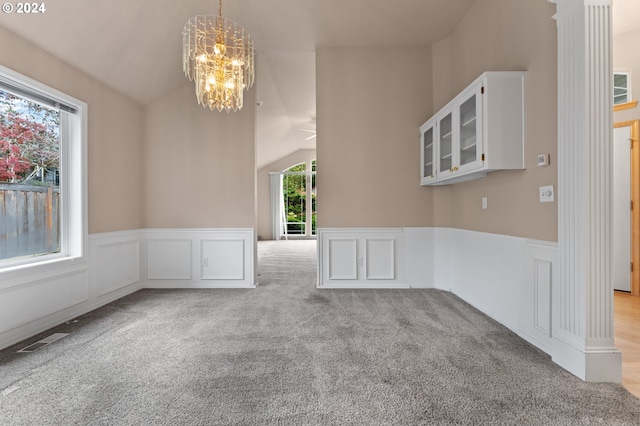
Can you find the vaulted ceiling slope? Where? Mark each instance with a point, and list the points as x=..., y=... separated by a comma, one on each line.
x=135, y=46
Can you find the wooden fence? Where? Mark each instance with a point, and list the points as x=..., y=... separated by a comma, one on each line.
x=29, y=220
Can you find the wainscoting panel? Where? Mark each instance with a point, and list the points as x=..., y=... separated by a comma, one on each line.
x=419, y=261
x=541, y=272
x=37, y=298
x=222, y=259
x=169, y=259
x=486, y=270
x=118, y=265
x=200, y=258
x=380, y=259
x=343, y=258
x=51, y=293
x=24, y=304
x=508, y=278
x=361, y=258
x=542, y=296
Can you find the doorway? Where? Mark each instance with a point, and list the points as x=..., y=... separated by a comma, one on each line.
x=626, y=207
x=293, y=202
x=299, y=199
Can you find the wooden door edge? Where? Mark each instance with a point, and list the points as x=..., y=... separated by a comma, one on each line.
x=635, y=199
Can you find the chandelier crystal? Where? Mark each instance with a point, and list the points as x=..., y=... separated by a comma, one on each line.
x=218, y=55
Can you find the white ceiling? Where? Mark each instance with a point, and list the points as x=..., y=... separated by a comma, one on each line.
x=135, y=46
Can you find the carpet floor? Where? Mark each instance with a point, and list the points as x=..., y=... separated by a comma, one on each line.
x=289, y=354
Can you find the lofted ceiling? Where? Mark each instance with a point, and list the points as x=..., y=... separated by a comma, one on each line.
x=135, y=46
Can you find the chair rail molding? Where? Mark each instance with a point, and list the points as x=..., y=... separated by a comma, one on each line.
x=583, y=301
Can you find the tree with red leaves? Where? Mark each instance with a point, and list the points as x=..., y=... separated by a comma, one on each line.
x=29, y=143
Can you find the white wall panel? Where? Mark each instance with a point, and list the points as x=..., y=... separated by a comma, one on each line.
x=542, y=296
x=169, y=259
x=343, y=259
x=200, y=258
x=223, y=259
x=536, y=307
x=508, y=278
x=380, y=259
x=362, y=258
x=418, y=260
x=118, y=265
x=23, y=304
x=486, y=270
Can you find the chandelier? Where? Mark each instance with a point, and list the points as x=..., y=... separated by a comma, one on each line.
x=217, y=54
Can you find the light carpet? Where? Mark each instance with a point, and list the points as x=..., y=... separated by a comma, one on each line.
x=288, y=354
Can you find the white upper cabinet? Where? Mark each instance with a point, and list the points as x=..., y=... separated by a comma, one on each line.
x=481, y=130
x=428, y=152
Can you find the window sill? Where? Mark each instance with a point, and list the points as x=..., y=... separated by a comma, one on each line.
x=14, y=275
x=628, y=105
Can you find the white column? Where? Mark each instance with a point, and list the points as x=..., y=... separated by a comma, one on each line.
x=583, y=300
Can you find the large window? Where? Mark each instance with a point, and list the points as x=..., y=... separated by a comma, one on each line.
x=42, y=173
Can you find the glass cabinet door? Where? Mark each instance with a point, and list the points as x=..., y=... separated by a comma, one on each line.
x=469, y=131
x=427, y=154
x=445, y=161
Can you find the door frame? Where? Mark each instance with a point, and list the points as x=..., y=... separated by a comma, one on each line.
x=635, y=199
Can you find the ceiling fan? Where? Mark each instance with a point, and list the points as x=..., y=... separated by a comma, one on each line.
x=313, y=136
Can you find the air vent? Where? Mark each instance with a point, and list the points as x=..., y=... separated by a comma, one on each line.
x=44, y=342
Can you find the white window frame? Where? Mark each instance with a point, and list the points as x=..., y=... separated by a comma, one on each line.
x=73, y=181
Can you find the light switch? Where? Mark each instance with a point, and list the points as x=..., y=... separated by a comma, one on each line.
x=547, y=194
x=484, y=203
x=543, y=160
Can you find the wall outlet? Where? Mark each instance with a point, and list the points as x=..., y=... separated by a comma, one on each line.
x=547, y=194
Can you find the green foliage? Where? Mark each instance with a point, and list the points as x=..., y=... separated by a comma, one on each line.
x=296, y=197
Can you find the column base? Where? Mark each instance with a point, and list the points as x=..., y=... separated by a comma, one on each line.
x=603, y=365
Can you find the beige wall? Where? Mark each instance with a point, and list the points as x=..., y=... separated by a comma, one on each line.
x=627, y=58
x=115, y=140
x=171, y=164
x=200, y=166
x=370, y=103
x=264, y=197
x=504, y=35
x=187, y=167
